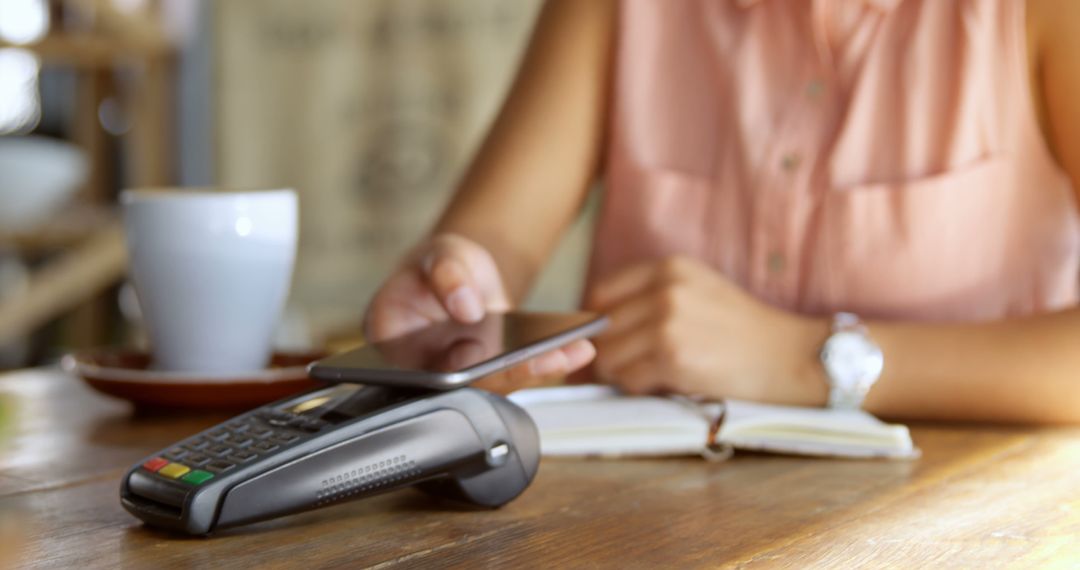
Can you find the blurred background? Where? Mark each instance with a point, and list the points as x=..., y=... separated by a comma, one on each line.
x=369, y=109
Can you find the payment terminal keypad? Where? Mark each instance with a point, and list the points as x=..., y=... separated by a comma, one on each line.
x=220, y=466
x=265, y=446
x=219, y=450
x=242, y=456
x=177, y=452
x=238, y=441
x=235, y=443
x=197, y=460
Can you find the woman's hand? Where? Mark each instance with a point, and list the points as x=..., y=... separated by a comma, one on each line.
x=679, y=326
x=451, y=277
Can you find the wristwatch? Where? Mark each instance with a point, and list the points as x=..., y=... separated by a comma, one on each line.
x=852, y=362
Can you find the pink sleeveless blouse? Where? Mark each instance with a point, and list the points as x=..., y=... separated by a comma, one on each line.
x=881, y=157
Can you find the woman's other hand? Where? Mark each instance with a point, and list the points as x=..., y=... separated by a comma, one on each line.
x=677, y=325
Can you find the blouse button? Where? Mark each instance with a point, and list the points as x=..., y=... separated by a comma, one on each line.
x=776, y=262
x=790, y=161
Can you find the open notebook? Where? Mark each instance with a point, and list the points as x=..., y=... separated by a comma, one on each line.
x=599, y=421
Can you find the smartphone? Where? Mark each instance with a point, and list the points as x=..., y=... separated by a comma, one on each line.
x=450, y=354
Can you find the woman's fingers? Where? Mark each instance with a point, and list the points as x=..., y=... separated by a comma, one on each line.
x=633, y=314
x=464, y=278
x=449, y=277
x=638, y=280
x=404, y=304
x=619, y=351
x=640, y=377
x=565, y=360
x=578, y=355
x=448, y=274
x=462, y=355
x=545, y=369
x=621, y=286
x=559, y=362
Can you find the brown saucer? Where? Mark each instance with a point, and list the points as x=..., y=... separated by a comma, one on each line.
x=124, y=373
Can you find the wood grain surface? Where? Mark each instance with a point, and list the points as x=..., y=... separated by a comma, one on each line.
x=980, y=497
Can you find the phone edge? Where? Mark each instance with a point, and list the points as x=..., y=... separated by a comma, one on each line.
x=460, y=378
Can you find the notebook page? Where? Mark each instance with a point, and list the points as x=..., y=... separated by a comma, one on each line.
x=812, y=431
x=597, y=420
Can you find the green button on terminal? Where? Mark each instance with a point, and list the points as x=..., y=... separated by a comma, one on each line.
x=197, y=477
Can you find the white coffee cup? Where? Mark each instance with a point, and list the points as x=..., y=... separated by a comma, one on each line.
x=211, y=271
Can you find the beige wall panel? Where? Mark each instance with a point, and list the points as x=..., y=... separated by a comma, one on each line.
x=370, y=109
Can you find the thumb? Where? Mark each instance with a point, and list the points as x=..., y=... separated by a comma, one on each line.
x=464, y=278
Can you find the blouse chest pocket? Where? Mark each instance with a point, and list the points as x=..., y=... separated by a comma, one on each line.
x=934, y=248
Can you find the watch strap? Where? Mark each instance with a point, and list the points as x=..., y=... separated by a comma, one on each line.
x=843, y=322
x=840, y=399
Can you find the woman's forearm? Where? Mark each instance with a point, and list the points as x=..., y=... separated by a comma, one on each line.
x=1023, y=370
x=532, y=172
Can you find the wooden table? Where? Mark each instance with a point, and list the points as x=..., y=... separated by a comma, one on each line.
x=980, y=497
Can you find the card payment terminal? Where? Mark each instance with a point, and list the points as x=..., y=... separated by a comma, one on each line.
x=335, y=444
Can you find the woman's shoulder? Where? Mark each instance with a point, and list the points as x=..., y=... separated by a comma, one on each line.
x=1053, y=50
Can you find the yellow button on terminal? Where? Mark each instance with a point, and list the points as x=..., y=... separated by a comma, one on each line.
x=174, y=470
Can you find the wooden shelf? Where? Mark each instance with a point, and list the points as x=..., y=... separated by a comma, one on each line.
x=78, y=50
x=64, y=283
x=79, y=253
x=68, y=228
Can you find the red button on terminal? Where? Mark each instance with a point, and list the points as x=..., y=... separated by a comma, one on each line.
x=155, y=464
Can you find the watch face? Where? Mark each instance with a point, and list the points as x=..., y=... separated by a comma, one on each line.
x=852, y=360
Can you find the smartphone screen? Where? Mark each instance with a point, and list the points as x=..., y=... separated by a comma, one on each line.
x=449, y=354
